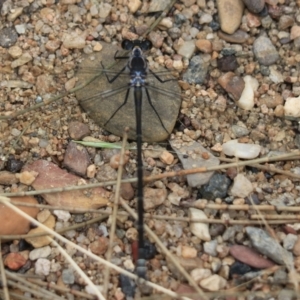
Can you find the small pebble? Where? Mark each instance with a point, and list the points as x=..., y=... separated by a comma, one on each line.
x=40, y=253
x=27, y=177
x=199, y=229
x=14, y=261
x=42, y=267
x=241, y=187
x=230, y=13
x=241, y=150
x=213, y=283
x=246, y=100
x=62, y=215
x=264, y=51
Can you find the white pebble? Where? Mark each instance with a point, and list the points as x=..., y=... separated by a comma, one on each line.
x=104, y=10
x=213, y=283
x=91, y=289
x=205, y=19
x=241, y=150
x=187, y=49
x=73, y=41
x=39, y=253
x=21, y=28
x=247, y=98
x=292, y=107
x=199, y=274
x=275, y=75
x=62, y=215
x=241, y=187
x=199, y=229
x=42, y=267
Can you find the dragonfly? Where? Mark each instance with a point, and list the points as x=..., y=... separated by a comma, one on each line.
x=142, y=92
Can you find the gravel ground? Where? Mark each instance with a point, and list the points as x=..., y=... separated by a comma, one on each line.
x=237, y=65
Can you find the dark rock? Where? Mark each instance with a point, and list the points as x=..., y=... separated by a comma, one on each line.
x=264, y=12
x=101, y=107
x=197, y=70
x=215, y=26
x=227, y=63
x=76, y=159
x=8, y=37
x=14, y=165
x=23, y=245
x=179, y=19
x=217, y=187
x=255, y=6
x=239, y=268
x=78, y=130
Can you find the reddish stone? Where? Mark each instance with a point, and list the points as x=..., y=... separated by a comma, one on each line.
x=288, y=229
x=250, y=257
x=14, y=261
x=12, y=222
x=99, y=246
x=50, y=175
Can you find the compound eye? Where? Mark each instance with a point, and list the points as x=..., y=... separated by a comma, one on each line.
x=146, y=45
x=127, y=44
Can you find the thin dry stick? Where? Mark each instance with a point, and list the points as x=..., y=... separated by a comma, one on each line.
x=6, y=202
x=32, y=286
x=114, y=213
x=160, y=176
x=15, y=296
x=165, y=251
x=3, y=278
x=222, y=206
x=246, y=207
x=277, y=217
x=53, y=286
x=268, y=168
x=166, y=218
x=39, y=294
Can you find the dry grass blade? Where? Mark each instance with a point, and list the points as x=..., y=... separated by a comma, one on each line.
x=114, y=213
x=30, y=287
x=53, y=286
